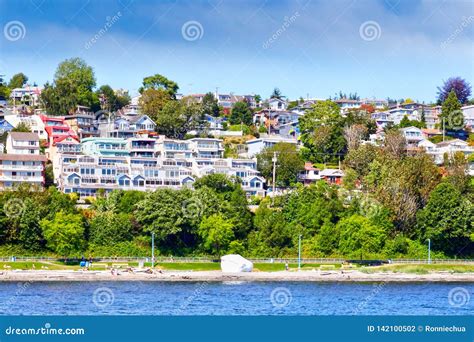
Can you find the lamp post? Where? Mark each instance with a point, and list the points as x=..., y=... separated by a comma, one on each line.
x=299, y=252
x=152, y=250
x=429, y=251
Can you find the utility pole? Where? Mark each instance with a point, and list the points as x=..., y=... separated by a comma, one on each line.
x=274, y=160
x=152, y=250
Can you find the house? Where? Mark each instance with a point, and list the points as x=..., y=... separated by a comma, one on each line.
x=277, y=104
x=255, y=146
x=468, y=112
x=243, y=169
x=104, y=146
x=377, y=104
x=348, y=104
x=22, y=163
x=28, y=95
x=56, y=127
x=207, y=147
x=126, y=126
x=332, y=176
x=310, y=174
x=86, y=175
x=413, y=135
x=431, y=132
x=382, y=119
x=34, y=122
x=5, y=126
x=83, y=122
x=23, y=143
x=173, y=148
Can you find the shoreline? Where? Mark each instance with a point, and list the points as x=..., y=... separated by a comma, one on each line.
x=218, y=276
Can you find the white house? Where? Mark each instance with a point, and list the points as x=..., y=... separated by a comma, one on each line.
x=277, y=104
x=256, y=146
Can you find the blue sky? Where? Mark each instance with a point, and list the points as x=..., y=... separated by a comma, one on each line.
x=393, y=48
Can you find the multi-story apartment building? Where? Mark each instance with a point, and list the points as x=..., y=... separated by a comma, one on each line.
x=22, y=163
x=143, y=163
x=83, y=122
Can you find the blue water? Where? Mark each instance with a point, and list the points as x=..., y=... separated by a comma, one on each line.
x=235, y=298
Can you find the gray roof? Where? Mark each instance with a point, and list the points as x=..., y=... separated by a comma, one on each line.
x=25, y=136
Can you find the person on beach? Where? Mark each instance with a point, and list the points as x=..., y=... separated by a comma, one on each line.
x=287, y=267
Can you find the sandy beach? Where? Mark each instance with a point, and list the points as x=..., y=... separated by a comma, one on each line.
x=217, y=276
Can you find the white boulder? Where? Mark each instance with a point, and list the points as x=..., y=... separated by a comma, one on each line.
x=234, y=263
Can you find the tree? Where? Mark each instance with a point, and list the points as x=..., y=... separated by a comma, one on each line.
x=22, y=127
x=354, y=134
x=18, y=81
x=461, y=88
x=73, y=83
x=153, y=101
x=276, y=94
x=359, y=237
x=109, y=100
x=447, y=220
x=241, y=114
x=451, y=113
x=258, y=99
x=4, y=90
x=322, y=132
x=157, y=82
x=288, y=166
x=210, y=105
x=395, y=143
x=64, y=233
x=216, y=233
x=108, y=228
x=179, y=117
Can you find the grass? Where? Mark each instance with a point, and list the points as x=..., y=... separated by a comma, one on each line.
x=419, y=268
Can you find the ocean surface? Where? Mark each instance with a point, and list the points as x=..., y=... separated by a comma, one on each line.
x=235, y=298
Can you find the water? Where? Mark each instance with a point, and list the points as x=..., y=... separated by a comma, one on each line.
x=235, y=298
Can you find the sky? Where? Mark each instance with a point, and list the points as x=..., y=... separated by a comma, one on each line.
x=306, y=48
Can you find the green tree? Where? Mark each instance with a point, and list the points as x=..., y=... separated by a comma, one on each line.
x=276, y=94
x=322, y=132
x=210, y=106
x=107, y=228
x=447, y=220
x=73, y=85
x=109, y=100
x=22, y=127
x=64, y=233
x=359, y=237
x=241, y=114
x=157, y=82
x=178, y=117
x=18, y=81
x=153, y=101
x=216, y=233
x=451, y=113
x=289, y=163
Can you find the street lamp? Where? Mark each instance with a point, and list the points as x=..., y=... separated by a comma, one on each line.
x=299, y=252
x=429, y=251
x=152, y=250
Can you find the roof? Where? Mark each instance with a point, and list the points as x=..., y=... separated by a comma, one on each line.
x=27, y=136
x=309, y=167
x=431, y=131
x=22, y=157
x=450, y=142
x=331, y=172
